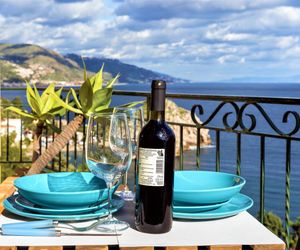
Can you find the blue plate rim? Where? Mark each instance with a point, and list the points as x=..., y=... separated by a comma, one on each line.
x=204, y=206
x=16, y=184
x=77, y=217
x=53, y=210
x=215, y=214
x=241, y=184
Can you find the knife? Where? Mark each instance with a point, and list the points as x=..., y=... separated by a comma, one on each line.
x=47, y=232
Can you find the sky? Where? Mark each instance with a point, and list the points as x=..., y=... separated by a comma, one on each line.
x=199, y=40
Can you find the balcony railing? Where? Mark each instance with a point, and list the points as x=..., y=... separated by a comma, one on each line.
x=259, y=132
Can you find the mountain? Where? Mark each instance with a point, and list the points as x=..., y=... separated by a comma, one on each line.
x=129, y=73
x=267, y=79
x=19, y=62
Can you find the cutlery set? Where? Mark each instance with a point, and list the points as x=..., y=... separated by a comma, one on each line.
x=47, y=228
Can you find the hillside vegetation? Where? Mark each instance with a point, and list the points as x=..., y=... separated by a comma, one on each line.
x=30, y=62
x=20, y=62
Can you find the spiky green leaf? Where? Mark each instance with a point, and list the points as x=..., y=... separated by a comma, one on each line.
x=75, y=98
x=101, y=99
x=85, y=95
x=31, y=99
x=84, y=70
x=21, y=112
x=38, y=97
x=55, y=111
x=65, y=105
x=29, y=89
x=111, y=109
x=58, y=92
x=104, y=110
x=112, y=81
x=46, y=92
x=68, y=97
x=48, y=104
x=131, y=104
x=35, y=106
x=97, y=80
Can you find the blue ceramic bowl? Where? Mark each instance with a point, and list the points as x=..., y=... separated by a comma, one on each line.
x=205, y=187
x=62, y=190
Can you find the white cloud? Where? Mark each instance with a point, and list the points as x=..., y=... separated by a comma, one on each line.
x=287, y=41
x=50, y=12
x=229, y=58
x=170, y=32
x=224, y=34
x=78, y=10
x=204, y=9
x=292, y=53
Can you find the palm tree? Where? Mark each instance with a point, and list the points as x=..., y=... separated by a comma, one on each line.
x=43, y=109
x=93, y=98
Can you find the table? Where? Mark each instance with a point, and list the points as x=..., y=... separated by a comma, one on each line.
x=229, y=233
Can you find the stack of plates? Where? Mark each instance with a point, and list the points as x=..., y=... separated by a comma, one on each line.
x=61, y=196
x=208, y=195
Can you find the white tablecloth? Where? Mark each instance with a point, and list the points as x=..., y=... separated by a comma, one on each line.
x=241, y=229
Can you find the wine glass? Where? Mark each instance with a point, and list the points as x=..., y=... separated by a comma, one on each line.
x=108, y=155
x=135, y=119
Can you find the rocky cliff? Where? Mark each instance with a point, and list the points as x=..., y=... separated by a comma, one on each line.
x=177, y=114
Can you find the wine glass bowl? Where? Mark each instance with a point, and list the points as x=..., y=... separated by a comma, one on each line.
x=108, y=151
x=135, y=119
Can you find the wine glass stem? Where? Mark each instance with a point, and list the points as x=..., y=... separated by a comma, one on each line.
x=125, y=180
x=135, y=164
x=109, y=186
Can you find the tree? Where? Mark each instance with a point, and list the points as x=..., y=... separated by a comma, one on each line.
x=17, y=102
x=296, y=233
x=43, y=109
x=93, y=98
x=10, y=169
x=274, y=223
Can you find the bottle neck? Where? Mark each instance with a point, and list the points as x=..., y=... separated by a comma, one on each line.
x=157, y=115
x=158, y=96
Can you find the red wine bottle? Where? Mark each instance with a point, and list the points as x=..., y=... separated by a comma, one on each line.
x=155, y=177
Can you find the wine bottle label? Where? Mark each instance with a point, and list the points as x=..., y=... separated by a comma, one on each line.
x=151, y=167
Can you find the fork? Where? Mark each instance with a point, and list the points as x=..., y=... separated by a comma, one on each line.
x=82, y=229
x=55, y=224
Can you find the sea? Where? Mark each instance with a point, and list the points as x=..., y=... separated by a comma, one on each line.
x=275, y=149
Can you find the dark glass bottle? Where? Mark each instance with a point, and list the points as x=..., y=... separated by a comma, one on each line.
x=155, y=176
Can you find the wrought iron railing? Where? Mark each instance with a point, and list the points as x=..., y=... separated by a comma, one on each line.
x=260, y=117
x=239, y=106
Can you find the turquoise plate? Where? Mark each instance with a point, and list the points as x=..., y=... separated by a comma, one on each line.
x=11, y=206
x=194, y=208
x=21, y=201
x=62, y=189
x=237, y=204
x=205, y=187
